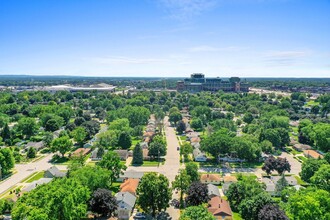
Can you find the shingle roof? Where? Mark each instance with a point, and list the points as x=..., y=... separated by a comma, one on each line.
x=210, y=177
x=129, y=185
x=213, y=190
x=219, y=207
x=56, y=172
x=229, y=179
x=125, y=197
x=36, y=183
x=313, y=153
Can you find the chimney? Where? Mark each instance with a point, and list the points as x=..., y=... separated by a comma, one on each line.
x=219, y=206
x=208, y=175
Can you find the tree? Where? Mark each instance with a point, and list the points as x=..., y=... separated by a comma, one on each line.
x=31, y=153
x=153, y=193
x=108, y=139
x=157, y=147
x=309, y=167
x=322, y=177
x=248, y=118
x=310, y=203
x=137, y=155
x=103, y=202
x=27, y=126
x=79, y=135
x=174, y=117
x=124, y=140
x=192, y=171
x=119, y=124
x=243, y=189
x=269, y=164
x=282, y=165
x=267, y=146
x=185, y=150
x=196, y=124
x=111, y=161
x=62, y=145
x=180, y=127
x=60, y=199
x=182, y=182
x=196, y=213
x=53, y=124
x=7, y=160
x=91, y=127
x=281, y=184
x=197, y=194
x=271, y=212
x=250, y=207
x=47, y=139
x=92, y=177
x=5, y=133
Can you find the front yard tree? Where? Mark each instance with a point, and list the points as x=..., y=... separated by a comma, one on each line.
x=185, y=150
x=196, y=124
x=153, y=193
x=174, y=117
x=111, y=161
x=309, y=167
x=27, y=126
x=250, y=207
x=197, y=194
x=196, y=213
x=124, y=140
x=5, y=133
x=182, y=183
x=137, y=155
x=62, y=144
x=31, y=152
x=271, y=212
x=103, y=202
x=192, y=171
x=322, y=177
x=7, y=160
x=282, y=165
x=79, y=135
x=180, y=127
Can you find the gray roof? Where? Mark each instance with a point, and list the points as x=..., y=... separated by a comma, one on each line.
x=125, y=197
x=291, y=180
x=213, y=190
x=35, y=145
x=270, y=186
x=198, y=153
x=56, y=172
x=36, y=183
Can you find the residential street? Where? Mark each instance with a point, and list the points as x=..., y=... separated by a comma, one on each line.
x=24, y=170
x=172, y=164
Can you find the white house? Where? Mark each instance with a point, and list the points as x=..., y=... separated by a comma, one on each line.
x=126, y=203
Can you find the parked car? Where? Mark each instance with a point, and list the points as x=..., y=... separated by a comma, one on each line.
x=178, y=148
x=139, y=215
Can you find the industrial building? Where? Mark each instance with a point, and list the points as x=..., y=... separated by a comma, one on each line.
x=197, y=83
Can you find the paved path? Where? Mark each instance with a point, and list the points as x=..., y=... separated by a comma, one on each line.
x=25, y=170
x=172, y=164
x=295, y=164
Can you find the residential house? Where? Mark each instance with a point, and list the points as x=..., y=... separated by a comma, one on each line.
x=270, y=186
x=227, y=181
x=36, y=145
x=213, y=190
x=195, y=145
x=220, y=208
x=54, y=172
x=195, y=140
x=130, y=185
x=145, y=153
x=312, y=154
x=126, y=203
x=302, y=147
x=211, y=178
x=94, y=155
x=144, y=145
x=36, y=183
x=123, y=154
x=130, y=174
x=81, y=152
x=292, y=181
x=199, y=156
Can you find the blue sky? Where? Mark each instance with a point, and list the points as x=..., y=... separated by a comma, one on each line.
x=246, y=38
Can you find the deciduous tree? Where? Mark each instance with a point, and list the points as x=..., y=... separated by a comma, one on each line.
x=197, y=194
x=103, y=202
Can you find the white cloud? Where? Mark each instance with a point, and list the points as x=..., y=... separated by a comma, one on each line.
x=185, y=9
x=285, y=58
x=206, y=48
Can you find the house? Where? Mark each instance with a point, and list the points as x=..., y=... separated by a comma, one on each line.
x=270, y=186
x=126, y=203
x=95, y=156
x=123, y=154
x=195, y=145
x=36, y=183
x=211, y=178
x=130, y=185
x=195, y=140
x=81, y=152
x=302, y=147
x=199, y=156
x=54, y=172
x=291, y=180
x=312, y=154
x=227, y=181
x=144, y=145
x=130, y=174
x=220, y=208
x=213, y=190
x=36, y=145
x=145, y=153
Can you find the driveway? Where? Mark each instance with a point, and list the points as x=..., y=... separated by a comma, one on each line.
x=295, y=164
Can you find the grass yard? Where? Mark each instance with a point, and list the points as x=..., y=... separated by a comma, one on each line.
x=245, y=174
x=115, y=187
x=237, y=216
x=246, y=165
x=300, y=181
x=312, y=103
x=152, y=163
x=37, y=176
x=302, y=158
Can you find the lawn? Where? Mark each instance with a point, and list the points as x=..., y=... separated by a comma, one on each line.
x=300, y=181
x=237, y=216
x=246, y=165
x=35, y=177
x=302, y=158
x=245, y=174
x=151, y=163
x=312, y=103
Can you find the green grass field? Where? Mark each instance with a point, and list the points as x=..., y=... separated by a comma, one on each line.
x=237, y=216
x=35, y=177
